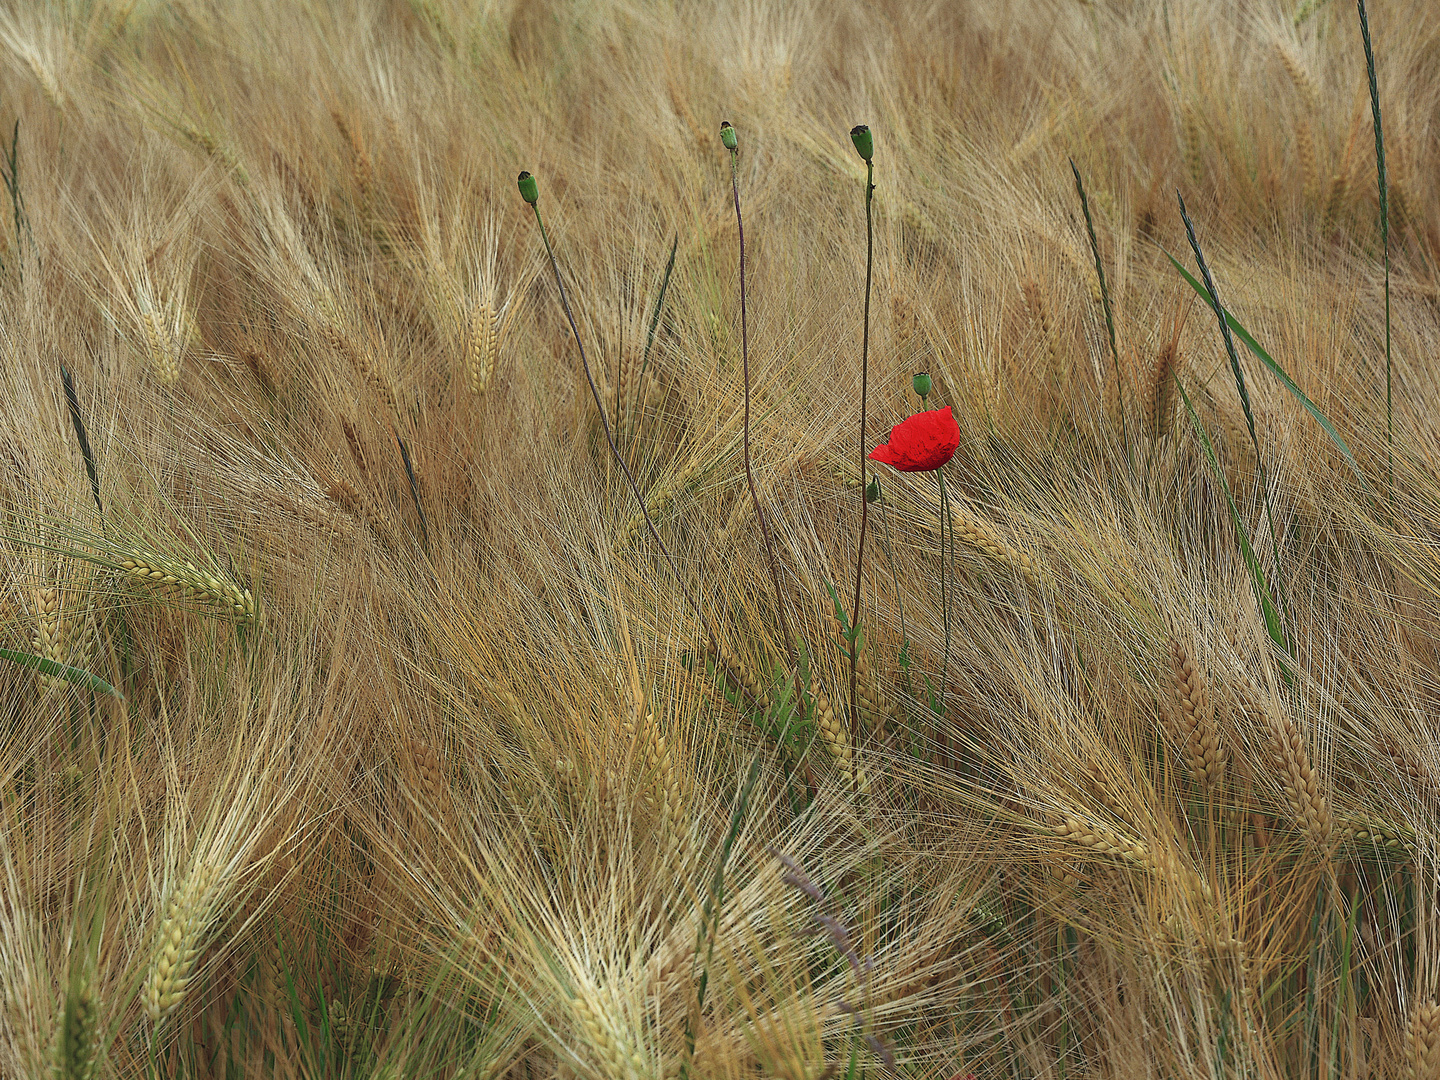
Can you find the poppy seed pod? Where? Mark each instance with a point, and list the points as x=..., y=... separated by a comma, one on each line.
x=727, y=135
x=864, y=143
x=529, y=190
x=921, y=383
x=872, y=490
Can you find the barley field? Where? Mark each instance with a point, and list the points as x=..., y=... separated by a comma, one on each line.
x=358, y=720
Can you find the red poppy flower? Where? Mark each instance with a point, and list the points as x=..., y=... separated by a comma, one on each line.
x=922, y=443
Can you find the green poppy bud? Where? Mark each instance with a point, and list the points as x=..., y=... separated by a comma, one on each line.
x=921, y=383
x=727, y=135
x=872, y=490
x=860, y=136
x=529, y=190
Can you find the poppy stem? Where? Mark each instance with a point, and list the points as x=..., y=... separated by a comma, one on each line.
x=749, y=471
x=609, y=438
x=864, y=501
x=944, y=588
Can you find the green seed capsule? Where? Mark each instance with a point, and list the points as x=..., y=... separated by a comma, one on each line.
x=922, y=384
x=864, y=144
x=727, y=135
x=529, y=189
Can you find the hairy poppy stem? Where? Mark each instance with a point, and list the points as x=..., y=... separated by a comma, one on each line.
x=864, y=501
x=609, y=438
x=944, y=588
x=733, y=147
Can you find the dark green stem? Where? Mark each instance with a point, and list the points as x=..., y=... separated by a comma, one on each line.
x=1105, y=301
x=1384, y=235
x=864, y=502
x=945, y=519
x=1244, y=401
x=609, y=438
x=749, y=471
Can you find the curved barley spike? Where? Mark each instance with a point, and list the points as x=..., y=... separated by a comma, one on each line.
x=482, y=346
x=188, y=912
x=1291, y=759
x=981, y=535
x=1058, y=363
x=77, y=1041
x=1422, y=1042
x=1192, y=717
x=183, y=579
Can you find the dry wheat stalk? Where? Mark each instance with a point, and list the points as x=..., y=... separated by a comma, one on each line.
x=660, y=498
x=1422, y=1042
x=362, y=166
x=1291, y=760
x=1192, y=717
x=866, y=687
x=358, y=504
x=184, y=579
x=1058, y=365
x=607, y=1036
x=1160, y=387
x=905, y=319
x=161, y=346
x=1379, y=833
x=1099, y=839
x=482, y=345
x=1299, y=74
x=981, y=535
x=836, y=738
x=188, y=912
x=567, y=780
x=664, y=780
x=1190, y=142
x=359, y=357
x=1309, y=163
x=739, y=676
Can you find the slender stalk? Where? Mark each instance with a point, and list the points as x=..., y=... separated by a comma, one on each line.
x=1105, y=300
x=1384, y=235
x=944, y=587
x=610, y=438
x=73, y=402
x=749, y=471
x=864, y=501
x=1244, y=400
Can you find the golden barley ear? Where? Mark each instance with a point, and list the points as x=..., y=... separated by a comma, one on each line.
x=1192, y=717
x=1422, y=1042
x=1290, y=758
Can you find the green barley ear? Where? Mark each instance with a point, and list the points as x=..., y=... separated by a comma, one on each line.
x=727, y=135
x=863, y=140
x=529, y=189
x=77, y=1046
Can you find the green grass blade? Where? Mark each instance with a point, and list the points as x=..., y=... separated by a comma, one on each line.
x=1257, y=575
x=1279, y=372
x=1384, y=228
x=61, y=671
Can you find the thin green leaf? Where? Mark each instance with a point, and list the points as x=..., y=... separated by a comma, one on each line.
x=1257, y=575
x=1279, y=372
x=61, y=671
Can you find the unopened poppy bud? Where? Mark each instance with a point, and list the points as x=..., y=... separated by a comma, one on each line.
x=727, y=135
x=872, y=490
x=860, y=136
x=529, y=190
x=922, y=384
